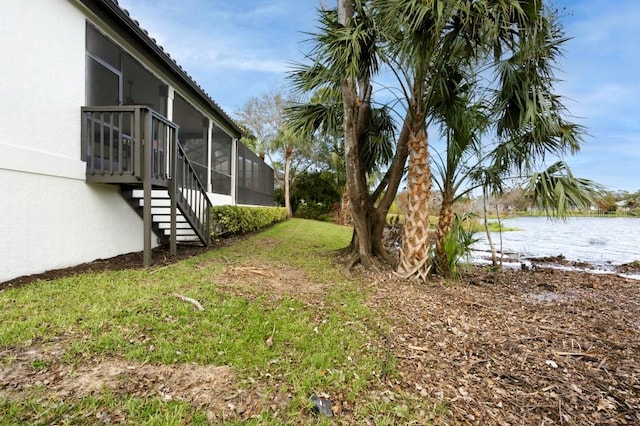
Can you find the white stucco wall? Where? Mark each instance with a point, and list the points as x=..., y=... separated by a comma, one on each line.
x=49, y=216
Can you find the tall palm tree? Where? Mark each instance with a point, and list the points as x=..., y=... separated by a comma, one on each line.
x=529, y=115
x=518, y=40
x=411, y=29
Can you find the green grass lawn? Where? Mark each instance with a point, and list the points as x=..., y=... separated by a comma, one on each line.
x=281, y=283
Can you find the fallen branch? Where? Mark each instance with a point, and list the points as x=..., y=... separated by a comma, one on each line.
x=387, y=355
x=578, y=354
x=153, y=271
x=194, y=302
x=260, y=272
x=254, y=271
x=418, y=348
x=559, y=330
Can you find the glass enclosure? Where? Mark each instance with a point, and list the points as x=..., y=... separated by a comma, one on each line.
x=221, y=161
x=255, y=179
x=116, y=78
x=192, y=135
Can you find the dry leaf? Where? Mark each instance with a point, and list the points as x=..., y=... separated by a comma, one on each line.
x=606, y=404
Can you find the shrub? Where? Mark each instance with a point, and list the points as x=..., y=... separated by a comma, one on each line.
x=237, y=220
x=315, y=194
x=313, y=210
x=457, y=244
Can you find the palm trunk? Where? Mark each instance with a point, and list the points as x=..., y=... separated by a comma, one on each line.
x=486, y=228
x=414, y=256
x=445, y=222
x=287, y=168
x=345, y=208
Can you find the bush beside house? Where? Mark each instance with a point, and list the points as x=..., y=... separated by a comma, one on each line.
x=237, y=220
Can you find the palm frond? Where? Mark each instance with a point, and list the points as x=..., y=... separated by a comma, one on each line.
x=323, y=117
x=557, y=191
x=376, y=148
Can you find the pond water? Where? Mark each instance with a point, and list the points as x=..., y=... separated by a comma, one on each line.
x=602, y=243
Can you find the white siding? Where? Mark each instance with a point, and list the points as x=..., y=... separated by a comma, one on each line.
x=49, y=223
x=49, y=216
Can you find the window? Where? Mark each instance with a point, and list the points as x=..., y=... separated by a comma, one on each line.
x=192, y=135
x=255, y=179
x=116, y=78
x=220, y=161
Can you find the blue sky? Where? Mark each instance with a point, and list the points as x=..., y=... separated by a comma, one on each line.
x=236, y=50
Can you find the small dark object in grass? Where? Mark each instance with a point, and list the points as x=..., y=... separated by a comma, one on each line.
x=321, y=406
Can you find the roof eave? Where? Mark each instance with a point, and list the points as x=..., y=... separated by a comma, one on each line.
x=133, y=27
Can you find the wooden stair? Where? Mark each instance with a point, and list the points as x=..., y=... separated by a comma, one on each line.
x=161, y=216
x=138, y=149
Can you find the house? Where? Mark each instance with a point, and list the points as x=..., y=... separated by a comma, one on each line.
x=107, y=146
x=623, y=206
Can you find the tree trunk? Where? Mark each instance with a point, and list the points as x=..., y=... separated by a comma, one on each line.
x=368, y=211
x=355, y=186
x=345, y=208
x=494, y=262
x=376, y=223
x=374, y=217
x=445, y=222
x=287, y=184
x=414, y=256
x=353, y=129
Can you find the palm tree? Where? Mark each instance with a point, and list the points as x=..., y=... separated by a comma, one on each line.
x=435, y=48
x=459, y=111
x=286, y=140
x=344, y=61
x=411, y=32
x=519, y=40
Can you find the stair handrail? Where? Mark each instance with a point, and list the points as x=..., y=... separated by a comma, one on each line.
x=154, y=157
x=190, y=194
x=186, y=190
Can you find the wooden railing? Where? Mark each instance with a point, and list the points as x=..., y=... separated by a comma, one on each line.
x=134, y=145
x=111, y=143
x=191, y=196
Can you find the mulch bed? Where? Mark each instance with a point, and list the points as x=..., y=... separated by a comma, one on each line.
x=540, y=346
x=160, y=257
